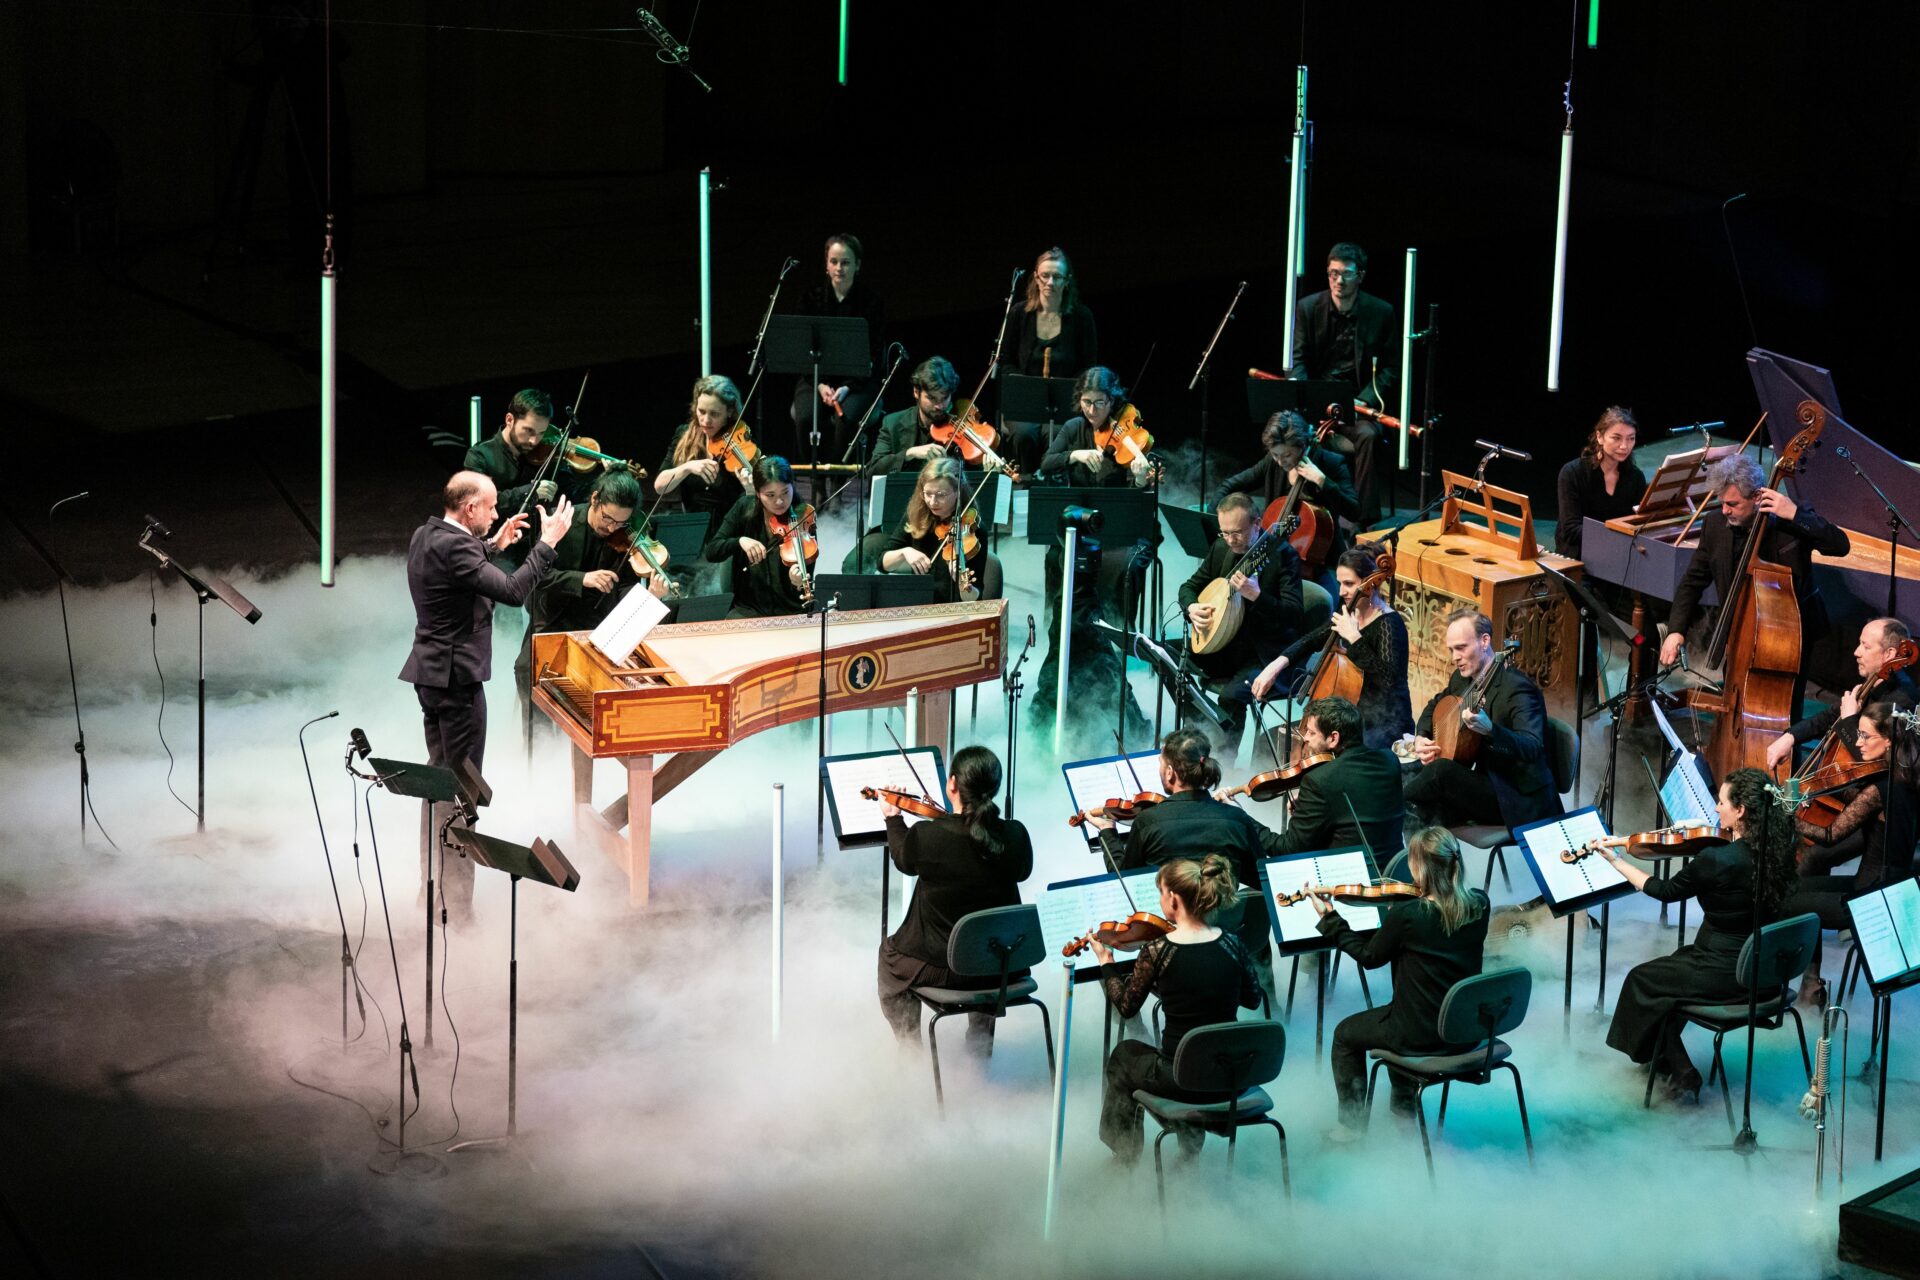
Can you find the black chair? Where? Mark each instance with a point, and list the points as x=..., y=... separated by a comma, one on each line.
x=983, y=944
x=1785, y=947
x=1477, y=1011
x=1563, y=756
x=1233, y=1058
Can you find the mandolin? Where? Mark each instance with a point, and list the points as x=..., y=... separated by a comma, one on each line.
x=1457, y=742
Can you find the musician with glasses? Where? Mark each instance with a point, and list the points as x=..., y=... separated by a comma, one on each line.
x=1510, y=781
x=1271, y=612
x=1073, y=456
x=1291, y=455
x=1880, y=641
x=1344, y=335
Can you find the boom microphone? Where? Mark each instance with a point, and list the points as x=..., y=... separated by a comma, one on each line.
x=159, y=528
x=1502, y=450
x=361, y=747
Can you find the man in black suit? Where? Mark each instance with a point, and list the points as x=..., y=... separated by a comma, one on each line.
x=1880, y=642
x=1510, y=781
x=1367, y=778
x=502, y=457
x=1272, y=611
x=454, y=588
x=1343, y=335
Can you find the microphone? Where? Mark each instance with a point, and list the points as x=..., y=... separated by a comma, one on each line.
x=1018, y=274
x=1694, y=426
x=1841, y=451
x=791, y=263
x=361, y=747
x=899, y=352
x=1502, y=450
x=834, y=602
x=1032, y=635
x=159, y=528
x=317, y=719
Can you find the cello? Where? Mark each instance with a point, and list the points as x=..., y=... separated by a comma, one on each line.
x=1308, y=526
x=1831, y=757
x=1336, y=676
x=1756, y=637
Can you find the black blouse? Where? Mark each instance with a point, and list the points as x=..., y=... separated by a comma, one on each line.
x=957, y=876
x=1075, y=350
x=1386, y=704
x=1211, y=982
x=1583, y=492
x=762, y=588
x=1722, y=878
x=929, y=545
x=1077, y=433
x=1426, y=959
x=695, y=494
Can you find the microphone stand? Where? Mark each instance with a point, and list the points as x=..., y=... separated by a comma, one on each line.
x=1012, y=683
x=861, y=443
x=73, y=679
x=1895, y=523
x=346, y=948
x=1431, y=336
x=825, y=608
x=766, y=317
x=1202, y=378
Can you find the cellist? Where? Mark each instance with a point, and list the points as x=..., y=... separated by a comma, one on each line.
x=1880, y=640
x=1375, y=640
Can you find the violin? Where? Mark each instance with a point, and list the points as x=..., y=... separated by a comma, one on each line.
x=1275, y=783
x=1123, y=438
x=581, y=454
x=1356, y=895
x=963, y=433
x=647, y=557
x=905, y=801
x=1681, y=840
x=1139, y=928
x=960, y=549
x=1118, y=810
x=798, y=546
x=735, y=451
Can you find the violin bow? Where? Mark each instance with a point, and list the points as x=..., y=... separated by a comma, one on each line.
x=901, y=748
x=559, y=449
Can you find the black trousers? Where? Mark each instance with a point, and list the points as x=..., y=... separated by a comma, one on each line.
x=835, y=431
x=1359, y=441
x=1450, y=793
x=1826, y=897
x=1356, y=1034
x=455, y=719
x=899, y=971
x=1135, y=1064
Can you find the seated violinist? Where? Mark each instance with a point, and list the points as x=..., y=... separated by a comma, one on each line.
x=693, y=473
x=1201, y=975
x=973, y=860
x=507, y=457
x=759, y=535
x=906, y=437
x=1351, y=799
x=920, y=544
x=1432, y=942
x=1075, y=455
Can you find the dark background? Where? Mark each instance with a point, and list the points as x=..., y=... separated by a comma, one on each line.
x=514, y=190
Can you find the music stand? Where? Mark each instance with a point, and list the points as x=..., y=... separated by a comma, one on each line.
x=1306, y=397
x=1130, y=514
x=1194, y=528
x=877, y=590
x=683, y=534
x=824, y=347
x=1048, y=401
x=543, y=863
x=433, y=785
x=708, y=608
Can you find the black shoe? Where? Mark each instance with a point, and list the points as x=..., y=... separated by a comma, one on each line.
x=1685, y=1082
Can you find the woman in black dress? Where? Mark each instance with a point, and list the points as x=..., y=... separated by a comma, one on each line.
x=1645, y=1025
x=1432, y=942
x=1201, y=974
x=843, y=401
x=1072, y=455
x=1884, y=812
x=688, y=474
x=1602, y=482
x=1376, y=642
x=913, y=547
x=1053, y=336
x=972, y=860
x=749, y=535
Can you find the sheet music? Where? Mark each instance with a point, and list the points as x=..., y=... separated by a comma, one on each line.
x=1069, y=908
x=857, y=818
x=1685, y=794
x=1886, y=924
x=1666, y=729
x=1092, y=782
x=638, y=612
x=1564, y=882
x=1300, y=923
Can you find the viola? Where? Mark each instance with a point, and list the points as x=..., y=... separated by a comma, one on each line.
x=1138, y=928
x=735, y=451
x=1124, y=439
x=1118, y=810
x=905, y=801
x=581, y=454
x=1681, y=840
x=1357, y=895
x=1275, y=783
x=798, y=546
x=647, y=557
x=1336, y=676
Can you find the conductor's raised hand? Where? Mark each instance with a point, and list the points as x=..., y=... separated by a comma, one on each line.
x=554, y=524
x=509, y=531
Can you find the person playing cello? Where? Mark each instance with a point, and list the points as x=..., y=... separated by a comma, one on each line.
x=1376, y=642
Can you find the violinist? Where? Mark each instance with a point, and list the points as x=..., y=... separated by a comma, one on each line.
x=1074, y=454
x=1201, y=975
x=1052, y=336
x=906, y=437
x=1376, y=642
x=1273, y=611
x=917, y=546
x=842, y=404
x=1354, y=798
x=1432, y=942
x=1646, y=1023
x=1880, y=640
x=1347, y=336
x=690, y=474
x=1602, y=482
x=1793, y=532
x=1291, y=455
x=1510, y=781
x=972, y=860
x=508, y=459
x=766, y=582
x=1880, y=823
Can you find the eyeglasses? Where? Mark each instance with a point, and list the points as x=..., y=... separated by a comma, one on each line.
x=1102, y=403
x=1339, y=276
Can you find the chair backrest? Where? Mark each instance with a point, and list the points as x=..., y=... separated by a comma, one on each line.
x=1785, y=946
x=1316, y=606
x=1485, y=1005
x=1397, y=869
x=1226, y=1057
x=1563, y=754
x=981, y=938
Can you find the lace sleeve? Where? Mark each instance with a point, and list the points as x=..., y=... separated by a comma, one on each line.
x=1861, y=810
x=1128, y=991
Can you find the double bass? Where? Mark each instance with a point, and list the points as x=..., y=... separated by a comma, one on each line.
x=1756, y=637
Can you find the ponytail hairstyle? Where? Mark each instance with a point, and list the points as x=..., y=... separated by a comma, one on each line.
x=1189, y=755
x=1769, y=837
x=976, y=776
x=1433, y=859
x=1204, y=888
